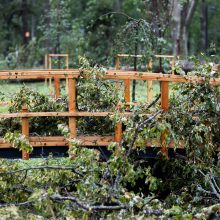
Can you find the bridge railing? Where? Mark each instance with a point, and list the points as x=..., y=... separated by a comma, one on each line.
x=71, y=75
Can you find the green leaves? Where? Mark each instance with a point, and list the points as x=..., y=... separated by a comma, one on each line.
x=19, y=141
x=194, y=116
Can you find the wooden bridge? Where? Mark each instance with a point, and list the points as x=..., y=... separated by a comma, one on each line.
x=71, y=75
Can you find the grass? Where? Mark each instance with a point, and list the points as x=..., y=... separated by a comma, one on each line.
x=8, y=89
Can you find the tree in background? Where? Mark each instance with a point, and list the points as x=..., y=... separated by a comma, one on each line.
x=55, y=24
x=91, y=28
x=182, y=14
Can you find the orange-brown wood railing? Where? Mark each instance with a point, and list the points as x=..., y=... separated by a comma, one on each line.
x=71, y=75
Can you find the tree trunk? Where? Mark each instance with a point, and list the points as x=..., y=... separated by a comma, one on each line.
x=204, y=25
x=176, y=26
x=47, y=22
x=33, y=22
x=24, y=17
x=117, y=5
x=190, y=9
x=135, y=67
x=184, y=41
x=57, y=48
x=182, y=17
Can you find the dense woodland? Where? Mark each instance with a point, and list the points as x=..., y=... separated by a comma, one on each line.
x=120, y=181
x=100, y=29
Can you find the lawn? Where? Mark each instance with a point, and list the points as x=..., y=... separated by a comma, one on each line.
x=8, y=89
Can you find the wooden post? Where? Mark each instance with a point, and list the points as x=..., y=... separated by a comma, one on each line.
x=118, y=132
x=67, y=67
x=118, y=128
x=127, y=94
x=67, y=61
x=117, y=66
x=72, y=107
x=46, y=61
x=56, y=81
x=50, y=62
x=150, y=83
x=46, y=66
x=50, y=80
x=25, y=131
x=57, y=87
x=173, y=65
x=165, y=107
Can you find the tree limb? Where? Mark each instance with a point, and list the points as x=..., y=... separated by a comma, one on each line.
x=27, y=203
x=43, y=167
x=213, y=185
x=140, y=127
x=192, y=6
x=86, y=206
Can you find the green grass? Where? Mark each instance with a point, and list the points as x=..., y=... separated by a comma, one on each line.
x=141, y=90
x=10, y=88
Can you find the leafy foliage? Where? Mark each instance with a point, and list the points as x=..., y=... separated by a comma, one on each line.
x=194, y=115
x=35, y=102
x=19, y=141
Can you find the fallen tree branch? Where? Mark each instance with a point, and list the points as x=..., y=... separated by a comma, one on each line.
x=154, y=102
x=27, y=203
x=88, y=207
x=213, y=184
x=43, y=167
x=140, y=127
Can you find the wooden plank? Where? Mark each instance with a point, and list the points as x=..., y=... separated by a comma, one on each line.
x=56, y=79
x=57, y=87
x=54, y=114
x=164, y=56
x=61, y=141
x=118, y=133
x=67, y=67
x=72, y=107
x=127, y=92
x=45, y=66
x=111, y=74
x=165, y=107
x=46, y=61
x=173, y=65
x=58, y=55
x=25, y=131
x=6, y=103
x=87, y=141
x=165, y=96
x=61, y=114
x=117, y=67
x=149, y=91
x=150, y=83
x=140, y=56
x=129, y=55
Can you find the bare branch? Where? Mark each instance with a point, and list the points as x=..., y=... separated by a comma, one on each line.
x=43, y=167
x=140, y=127
x=85, y=206
x=27, y=203
x=213, y=185
x=192, y=5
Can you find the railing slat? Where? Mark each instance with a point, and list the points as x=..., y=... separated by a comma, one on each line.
x=72, y=106
x=165, y=107
x=25, y=130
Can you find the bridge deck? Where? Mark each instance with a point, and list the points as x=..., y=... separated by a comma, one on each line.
x=71, y=75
